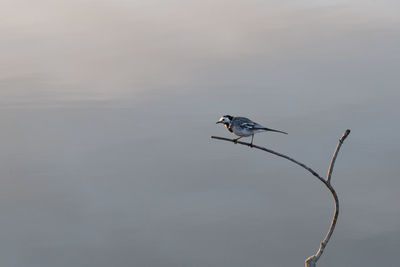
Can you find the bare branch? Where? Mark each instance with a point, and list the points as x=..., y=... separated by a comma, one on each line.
x=273, y=152
x=330, y=170
x=312, y=260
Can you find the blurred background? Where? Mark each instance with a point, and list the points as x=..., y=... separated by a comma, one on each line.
x=107, y=108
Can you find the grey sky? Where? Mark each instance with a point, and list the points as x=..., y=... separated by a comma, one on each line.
x=107, y=108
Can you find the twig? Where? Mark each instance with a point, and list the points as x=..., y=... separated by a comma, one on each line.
x=273, y=152
x=330, y=170
x=312, y=260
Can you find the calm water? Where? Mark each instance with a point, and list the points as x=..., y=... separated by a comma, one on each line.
x=107, y=111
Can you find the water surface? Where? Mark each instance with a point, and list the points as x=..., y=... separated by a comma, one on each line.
x=107, y=111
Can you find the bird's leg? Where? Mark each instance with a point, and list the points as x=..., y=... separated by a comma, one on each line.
x=235, y=140
x=252, y=137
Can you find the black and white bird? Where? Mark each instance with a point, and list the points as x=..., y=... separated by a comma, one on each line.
x=243, y=127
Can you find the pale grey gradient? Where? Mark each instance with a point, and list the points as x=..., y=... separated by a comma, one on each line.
x=106, y=113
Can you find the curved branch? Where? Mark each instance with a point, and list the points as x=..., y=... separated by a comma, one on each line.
x=312, y=260
x=330, y=170
x=273, y=152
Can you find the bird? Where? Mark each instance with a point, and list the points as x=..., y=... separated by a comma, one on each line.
x=244, y=127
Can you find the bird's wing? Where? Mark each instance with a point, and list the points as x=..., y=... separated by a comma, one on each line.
x=247, y=124
x=250, y=125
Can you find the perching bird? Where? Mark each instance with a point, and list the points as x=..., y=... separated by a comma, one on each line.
x=243, y=127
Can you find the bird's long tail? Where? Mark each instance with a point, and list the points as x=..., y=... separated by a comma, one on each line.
x=272, y=130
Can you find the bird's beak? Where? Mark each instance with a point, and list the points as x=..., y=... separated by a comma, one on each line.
x=218, y=122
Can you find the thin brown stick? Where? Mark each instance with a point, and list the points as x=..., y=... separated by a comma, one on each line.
x=312, y=260
x=330, y=170
x=273, y=152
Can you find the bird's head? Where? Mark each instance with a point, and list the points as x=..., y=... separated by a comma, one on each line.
x=226, y=120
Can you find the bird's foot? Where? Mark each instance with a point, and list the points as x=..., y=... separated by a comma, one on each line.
x=235, y=140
